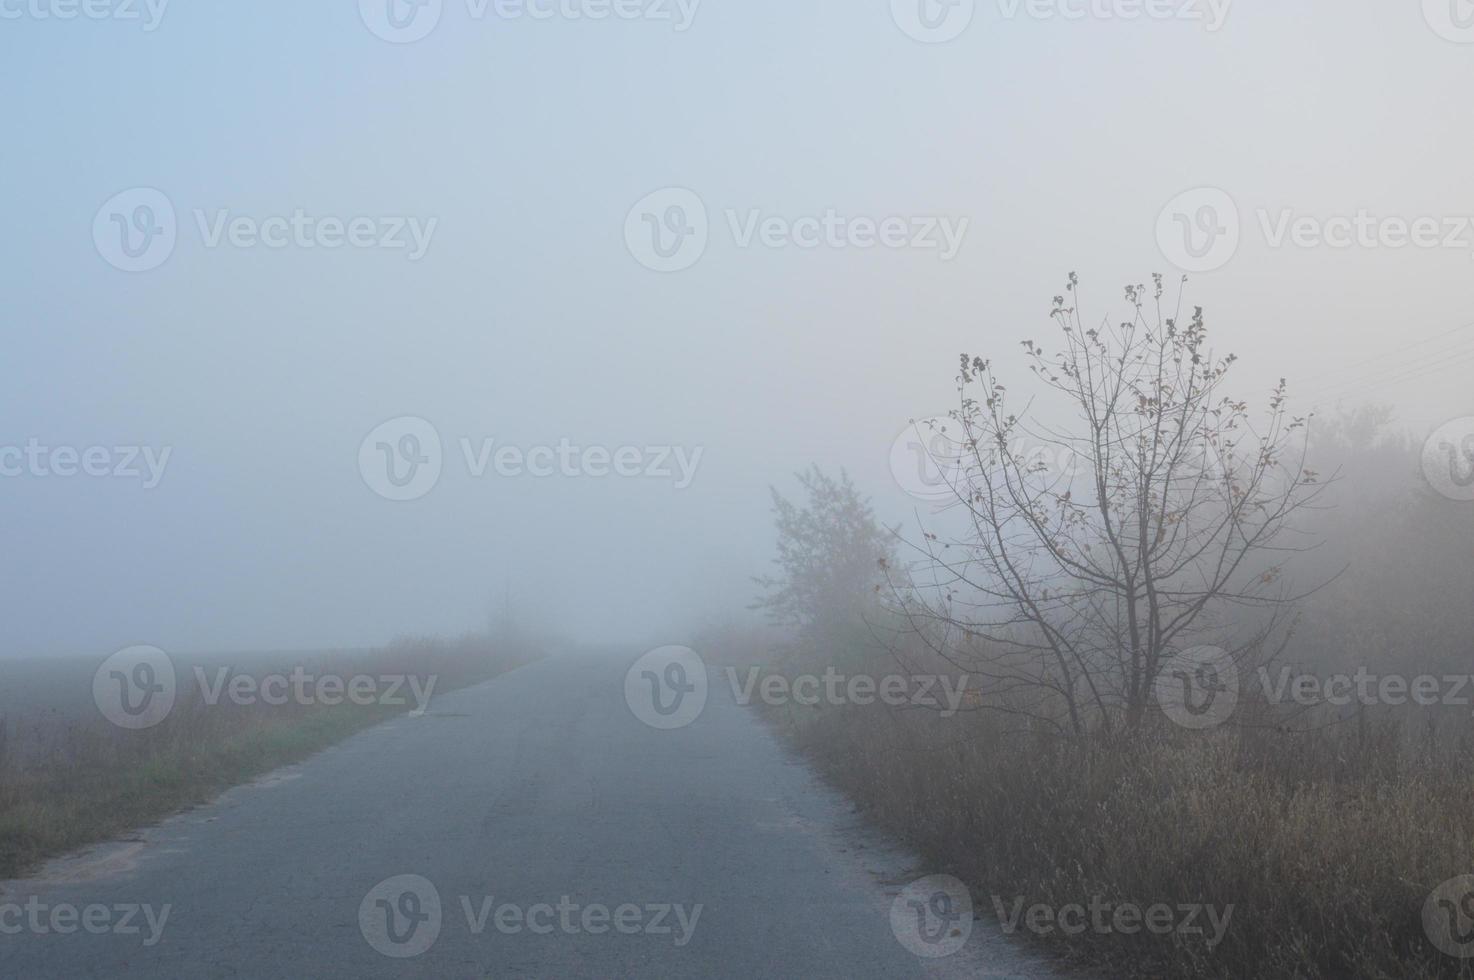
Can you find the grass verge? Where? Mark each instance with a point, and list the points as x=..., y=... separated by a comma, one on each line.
x=1326, y=843
x=81, y=781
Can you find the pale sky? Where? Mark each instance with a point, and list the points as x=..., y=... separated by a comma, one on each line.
x=529, y=319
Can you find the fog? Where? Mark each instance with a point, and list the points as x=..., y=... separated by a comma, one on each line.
x=730, y=488
x=520, y=311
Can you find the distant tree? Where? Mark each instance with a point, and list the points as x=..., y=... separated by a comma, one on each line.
x=1148, y=515
x=1401, y=604
x=830, y=555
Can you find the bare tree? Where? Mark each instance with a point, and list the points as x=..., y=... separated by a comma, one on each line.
x=1134, y=514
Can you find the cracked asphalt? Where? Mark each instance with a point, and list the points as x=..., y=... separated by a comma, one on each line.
x=531, y=826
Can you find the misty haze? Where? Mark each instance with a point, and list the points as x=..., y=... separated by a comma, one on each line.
x=684, y=488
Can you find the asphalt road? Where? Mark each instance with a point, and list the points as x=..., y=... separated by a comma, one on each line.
x=546, y=832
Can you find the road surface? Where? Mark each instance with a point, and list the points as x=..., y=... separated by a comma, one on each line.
x=531, y=826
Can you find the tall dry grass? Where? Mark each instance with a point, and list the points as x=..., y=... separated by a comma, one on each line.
x=1326, y=836
x=1326, y=832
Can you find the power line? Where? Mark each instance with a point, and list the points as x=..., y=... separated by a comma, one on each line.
x=1377, y=359
x=1341, y=391
x=1397, y=366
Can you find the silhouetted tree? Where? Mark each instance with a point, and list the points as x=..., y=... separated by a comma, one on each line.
x=830, y=555
x=1149, y=514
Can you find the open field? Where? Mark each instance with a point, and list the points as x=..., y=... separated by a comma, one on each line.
x=56, y=692
x=69, y=776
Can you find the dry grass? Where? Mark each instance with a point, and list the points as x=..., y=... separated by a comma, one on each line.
x=1325, y=842
x=68, y=783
